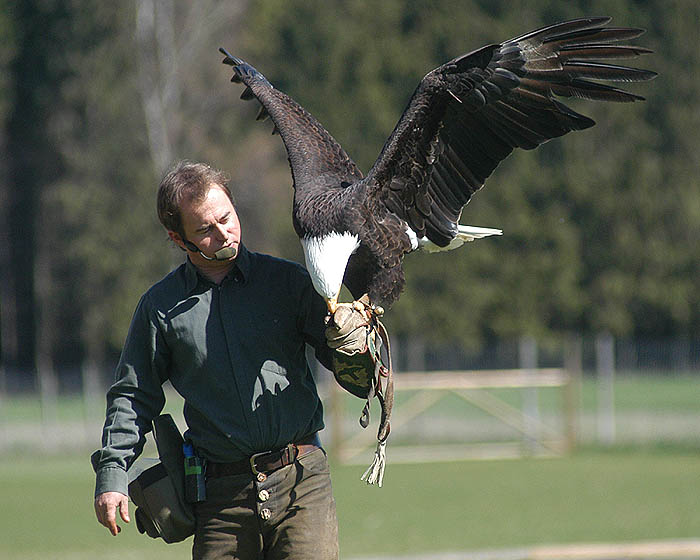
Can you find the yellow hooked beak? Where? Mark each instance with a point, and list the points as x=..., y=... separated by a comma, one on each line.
x=332, y=304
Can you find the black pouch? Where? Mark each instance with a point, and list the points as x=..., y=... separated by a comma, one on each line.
x=157, y=487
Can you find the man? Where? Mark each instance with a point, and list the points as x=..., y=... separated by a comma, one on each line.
x=228, y=328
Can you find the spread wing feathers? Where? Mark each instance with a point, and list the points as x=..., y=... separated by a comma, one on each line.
x=469, y=114
x=314, y=155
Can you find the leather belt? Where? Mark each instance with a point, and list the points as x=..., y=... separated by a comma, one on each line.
x=265, y=462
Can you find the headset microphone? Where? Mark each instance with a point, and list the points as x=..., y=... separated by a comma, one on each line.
x=225, y=254
x=221, y=255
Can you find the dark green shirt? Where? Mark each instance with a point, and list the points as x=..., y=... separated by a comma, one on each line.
x=234, y=351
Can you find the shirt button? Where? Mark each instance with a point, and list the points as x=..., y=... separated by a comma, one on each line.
x=265, y=514
x=262, y=477
x=264, y=495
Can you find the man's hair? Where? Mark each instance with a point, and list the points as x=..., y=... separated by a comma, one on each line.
x=186, y=181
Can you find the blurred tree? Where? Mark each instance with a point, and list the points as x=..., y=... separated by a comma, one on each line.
x=601, y=228
x=8, y=330
x=126, y=119
x=34, y=80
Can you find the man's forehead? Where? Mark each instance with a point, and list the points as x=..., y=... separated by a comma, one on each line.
x=215, y=193
x=216, y=202
x=200, y=195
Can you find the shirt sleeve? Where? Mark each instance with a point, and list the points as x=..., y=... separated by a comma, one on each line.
x=312, y=315
x=133, y=401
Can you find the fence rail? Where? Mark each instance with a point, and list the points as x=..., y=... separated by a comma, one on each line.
x=538, y=436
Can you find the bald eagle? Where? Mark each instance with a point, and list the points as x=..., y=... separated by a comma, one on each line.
x=464, y=118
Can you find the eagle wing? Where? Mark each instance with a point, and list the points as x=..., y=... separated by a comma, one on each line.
x=469, y=114
x=314, y=155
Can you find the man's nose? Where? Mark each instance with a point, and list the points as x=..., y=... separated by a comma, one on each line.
x=221, y=233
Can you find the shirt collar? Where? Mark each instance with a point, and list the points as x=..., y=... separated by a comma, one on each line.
x=241, y=267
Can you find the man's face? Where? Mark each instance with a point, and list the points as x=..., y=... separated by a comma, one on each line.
x=211, y=224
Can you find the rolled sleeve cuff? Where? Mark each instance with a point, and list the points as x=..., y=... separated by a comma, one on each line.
x=112, y=479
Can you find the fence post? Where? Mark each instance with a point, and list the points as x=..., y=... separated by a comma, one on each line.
x=573, y=364
x=415, y=353
x=333, y=397
x=93, y=393
x=48, y=394
x=337, y=417
x=605, y=363
x=527, y=356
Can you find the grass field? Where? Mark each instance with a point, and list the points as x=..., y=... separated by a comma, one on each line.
x=592, y=496
x=626, y=494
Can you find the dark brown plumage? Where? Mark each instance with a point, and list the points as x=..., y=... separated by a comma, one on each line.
x=464, y=118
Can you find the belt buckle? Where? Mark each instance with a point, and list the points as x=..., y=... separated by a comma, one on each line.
x=253, y=458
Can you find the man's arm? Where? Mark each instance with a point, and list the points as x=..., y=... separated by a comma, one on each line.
x=340, y=342
x=352, y=335
x=133, y=401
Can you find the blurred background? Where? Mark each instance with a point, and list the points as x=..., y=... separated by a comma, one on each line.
x=597, y=274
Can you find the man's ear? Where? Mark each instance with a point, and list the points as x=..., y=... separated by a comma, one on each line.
x=177, y=239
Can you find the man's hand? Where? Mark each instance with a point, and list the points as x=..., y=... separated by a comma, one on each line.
x=106, y=505
x=347, y=330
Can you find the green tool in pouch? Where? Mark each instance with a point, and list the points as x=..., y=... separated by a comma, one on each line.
x=157, y=487
x=195, y=475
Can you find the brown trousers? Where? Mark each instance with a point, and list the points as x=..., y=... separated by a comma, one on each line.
x=290, y=514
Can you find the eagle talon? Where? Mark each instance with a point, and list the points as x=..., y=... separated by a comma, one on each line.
x=369, y=307
x=362, y=305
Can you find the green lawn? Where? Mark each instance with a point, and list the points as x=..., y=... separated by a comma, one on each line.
x=589, y=497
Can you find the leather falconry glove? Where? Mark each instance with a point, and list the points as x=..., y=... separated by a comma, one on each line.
x=355, y=334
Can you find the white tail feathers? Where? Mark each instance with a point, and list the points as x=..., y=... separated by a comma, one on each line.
x=464, y=235
x=470, y=233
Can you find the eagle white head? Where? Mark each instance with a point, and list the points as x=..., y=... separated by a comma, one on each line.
x=326, y=258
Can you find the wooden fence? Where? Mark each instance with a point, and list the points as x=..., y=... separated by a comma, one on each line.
x=474, y=388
